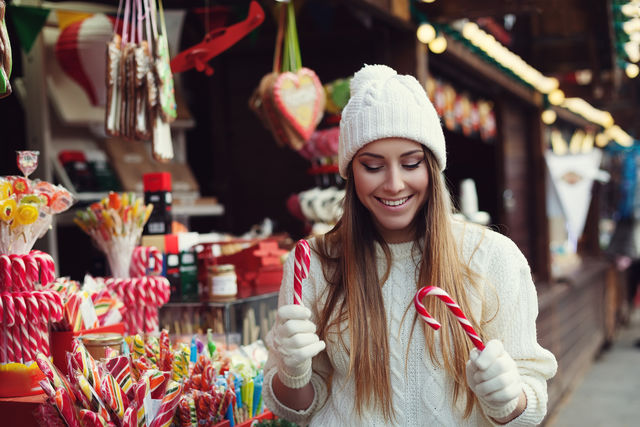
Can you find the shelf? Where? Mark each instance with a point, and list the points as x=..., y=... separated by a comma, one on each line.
x=221, y=304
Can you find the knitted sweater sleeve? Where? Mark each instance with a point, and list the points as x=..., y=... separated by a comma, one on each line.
x=320, y=363
x=509, y=314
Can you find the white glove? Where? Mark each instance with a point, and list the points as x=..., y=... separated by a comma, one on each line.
x=296, y=340
x=493, y=376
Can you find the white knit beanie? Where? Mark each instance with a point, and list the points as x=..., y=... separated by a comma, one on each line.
x=384, y=104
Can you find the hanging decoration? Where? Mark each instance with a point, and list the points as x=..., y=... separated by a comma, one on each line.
x=28, y=21
x=290, y=100
x=5, y=55
x=80, y=53
x=140, y=92
x=217, y=41
x=572, y=177
x=460, y=112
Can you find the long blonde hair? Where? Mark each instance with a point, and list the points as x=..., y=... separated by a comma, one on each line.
x=355, y=292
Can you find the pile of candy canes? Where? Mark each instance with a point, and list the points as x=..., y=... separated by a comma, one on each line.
x=144, y=292
x=25, y=307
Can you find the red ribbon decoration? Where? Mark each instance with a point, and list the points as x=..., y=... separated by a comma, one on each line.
x=216, y=42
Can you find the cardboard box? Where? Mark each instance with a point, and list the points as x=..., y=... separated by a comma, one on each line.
x=131, y=160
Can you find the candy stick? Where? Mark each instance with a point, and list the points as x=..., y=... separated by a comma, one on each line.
x=3, y=346
x=90, y=394
x=300, y=268
x=86, y=364
x=49, y=370
x=121, y=370
x=453, y=307
x=19, y=273
x=64, y=403
x=91, y=419
x=130, y=417
x=21, y=329
x=9, y=322
x=47, y=266
x=113, y=396
x=168, y=406
x=33, y=272
x=5, y=273
x=36, y=340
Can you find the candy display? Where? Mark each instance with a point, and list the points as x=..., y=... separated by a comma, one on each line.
x=452, y=305
x=202, y=387
x=27, y=206
x=115, y=225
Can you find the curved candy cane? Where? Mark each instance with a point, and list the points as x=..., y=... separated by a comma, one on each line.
x=300, y=268
x=453, y=306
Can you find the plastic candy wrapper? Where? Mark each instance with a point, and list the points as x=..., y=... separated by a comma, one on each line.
x=115, y=225
x=27, y=206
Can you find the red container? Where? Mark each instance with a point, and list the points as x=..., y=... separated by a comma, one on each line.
x=60, y=342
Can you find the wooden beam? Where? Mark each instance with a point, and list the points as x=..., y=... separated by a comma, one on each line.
x=460, y=53
x=446, y=11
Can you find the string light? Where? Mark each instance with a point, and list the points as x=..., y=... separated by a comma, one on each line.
x=438, y=45
x=549, y=117
x=632, y=70
x=426, y=33
x=556, y=97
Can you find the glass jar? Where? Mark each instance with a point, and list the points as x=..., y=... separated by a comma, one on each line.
x=98, y=343
x=222, y=281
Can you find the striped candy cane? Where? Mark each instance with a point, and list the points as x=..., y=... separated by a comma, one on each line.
x=453, y=307
x=300, y=268
x=5, y=273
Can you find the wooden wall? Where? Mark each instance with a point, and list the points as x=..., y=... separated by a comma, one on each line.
x=574, y=322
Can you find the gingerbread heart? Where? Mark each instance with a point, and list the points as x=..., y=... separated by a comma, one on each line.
x=300, y=99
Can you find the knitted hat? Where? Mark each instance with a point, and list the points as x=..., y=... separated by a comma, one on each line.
x=384, y=104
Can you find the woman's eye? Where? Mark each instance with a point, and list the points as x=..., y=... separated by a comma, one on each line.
x=371, y=168
x=412, y=165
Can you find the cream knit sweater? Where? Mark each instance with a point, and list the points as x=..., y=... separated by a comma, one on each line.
x=421, y=391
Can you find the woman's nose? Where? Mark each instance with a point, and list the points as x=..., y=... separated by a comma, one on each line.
x=395, y=181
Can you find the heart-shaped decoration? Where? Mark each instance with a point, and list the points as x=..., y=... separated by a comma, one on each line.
x=300, y=99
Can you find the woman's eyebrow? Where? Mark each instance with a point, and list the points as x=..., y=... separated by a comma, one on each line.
x=379, y=156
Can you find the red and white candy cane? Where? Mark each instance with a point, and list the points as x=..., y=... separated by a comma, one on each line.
x=5, y=273
x=300, y=268
x=453, y=306
x=145, y=260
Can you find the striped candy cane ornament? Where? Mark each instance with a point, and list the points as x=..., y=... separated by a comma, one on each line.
x=453, y=307
x=300, y=268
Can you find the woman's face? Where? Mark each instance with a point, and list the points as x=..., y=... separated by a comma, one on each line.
x=391, y=181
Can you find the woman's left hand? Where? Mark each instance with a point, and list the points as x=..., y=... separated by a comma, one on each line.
x=493, y=376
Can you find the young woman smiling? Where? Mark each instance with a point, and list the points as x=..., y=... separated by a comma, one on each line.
x=356, y=353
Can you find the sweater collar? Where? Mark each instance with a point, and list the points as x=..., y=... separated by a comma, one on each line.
x=398, y=250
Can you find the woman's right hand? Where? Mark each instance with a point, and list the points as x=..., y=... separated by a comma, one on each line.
x=296, y=340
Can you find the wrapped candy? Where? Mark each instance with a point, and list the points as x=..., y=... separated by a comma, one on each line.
x=56, y=379
x=168, y=406
x=86, y=365
x=64, y=403
x=120, y=368
x=91, y=419
x=91, y=397
x=113, y=396
x=141, y=391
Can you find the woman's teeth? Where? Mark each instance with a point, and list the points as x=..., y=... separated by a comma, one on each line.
x=394, y=202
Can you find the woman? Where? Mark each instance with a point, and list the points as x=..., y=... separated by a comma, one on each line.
x=356, y=353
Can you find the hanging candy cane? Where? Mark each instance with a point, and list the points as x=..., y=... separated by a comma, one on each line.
x=300, y=268
x=453, y=306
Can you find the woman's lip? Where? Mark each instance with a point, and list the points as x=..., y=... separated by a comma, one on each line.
x=406, y=199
